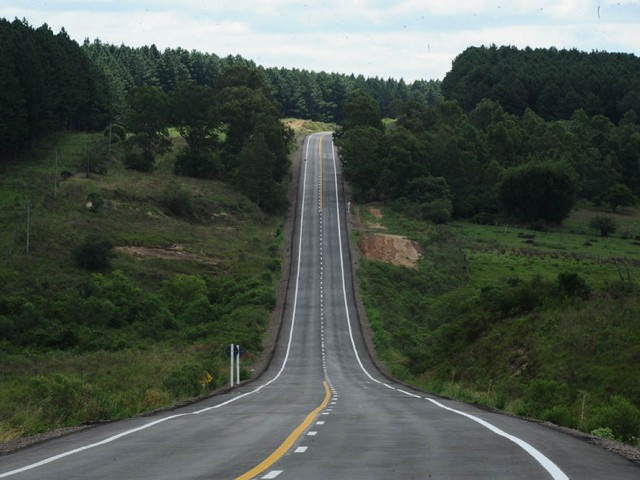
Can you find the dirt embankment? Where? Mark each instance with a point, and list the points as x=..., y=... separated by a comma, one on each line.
x=388, y=248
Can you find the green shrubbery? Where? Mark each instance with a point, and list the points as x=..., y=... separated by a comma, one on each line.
x=534, y=345
x=94, y=253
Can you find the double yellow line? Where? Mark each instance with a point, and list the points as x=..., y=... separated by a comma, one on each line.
x=291, y=439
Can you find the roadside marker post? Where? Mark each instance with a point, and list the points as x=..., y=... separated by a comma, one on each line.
x=237, y=364
x=231, y=356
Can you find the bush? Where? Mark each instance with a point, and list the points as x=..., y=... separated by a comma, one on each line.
x=546, y=398
x=94, y=253
x=198, y=164
x=186, y=381
x=95, y=201
x=604, y=224
x=437, y=211
x=573, y=285
x=484, y=218
x=139, y=161
x=177, y=200
x=621, y=416
x=515, y=297
x=560, y=415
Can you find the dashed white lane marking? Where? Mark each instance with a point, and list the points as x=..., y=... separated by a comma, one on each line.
x=272, y=474
x=301, y=449
x=320, y=422
x=312, y=433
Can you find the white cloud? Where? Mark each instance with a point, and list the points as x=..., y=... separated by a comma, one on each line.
x=412, y=39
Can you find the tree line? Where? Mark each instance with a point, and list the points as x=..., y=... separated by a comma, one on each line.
x=553, y=83
x=437, y=160
x=300, y=93
x=232, y=132
x=46, y=84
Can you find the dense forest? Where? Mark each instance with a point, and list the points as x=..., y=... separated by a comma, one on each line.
x=300, y=93
x=476, y=154
x=50, y=83
x=46, y=84
x=553, y=83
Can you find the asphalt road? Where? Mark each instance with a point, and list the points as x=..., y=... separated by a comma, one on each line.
x=321, y=411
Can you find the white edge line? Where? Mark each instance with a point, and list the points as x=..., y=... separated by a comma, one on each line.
x=547, y=464
x=161, y=420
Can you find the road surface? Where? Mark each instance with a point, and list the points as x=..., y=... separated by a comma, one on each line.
x=321, y=410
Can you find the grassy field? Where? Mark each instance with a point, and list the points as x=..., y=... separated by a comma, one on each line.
x=540, y=324
x=498, y=252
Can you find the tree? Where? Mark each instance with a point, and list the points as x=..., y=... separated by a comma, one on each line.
x=604, y=224
x=361, y=110
x=146, y=117
x=619, y=195
x=362, y=160
x=194, y=116
x=255, y=175
x=94, y=253
x=538, y=192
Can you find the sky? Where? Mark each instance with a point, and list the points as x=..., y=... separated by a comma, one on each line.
x=409, y=39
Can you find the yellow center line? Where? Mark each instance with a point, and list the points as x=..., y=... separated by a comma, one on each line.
x=321, y=137
x=286, y=445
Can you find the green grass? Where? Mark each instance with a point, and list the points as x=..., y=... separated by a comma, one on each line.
x=233, y=246
x=486, y=318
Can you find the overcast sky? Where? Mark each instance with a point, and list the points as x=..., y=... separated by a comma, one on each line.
x=410, y=39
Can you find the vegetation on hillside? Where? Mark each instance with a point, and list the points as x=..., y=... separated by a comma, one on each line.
x=120, y=290
x=553, y=83
x=438, y=161
x=47, y=84
x=542, y=325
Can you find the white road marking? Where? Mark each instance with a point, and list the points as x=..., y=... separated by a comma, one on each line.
x=312, y=434
x=547, y=464
x=301, y=449
x=272, y=474
x=320, y=422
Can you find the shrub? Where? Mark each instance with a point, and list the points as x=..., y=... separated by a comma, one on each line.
x=437, y=211
x=546, y=398
x=573, y=285
x=94, y=253
x=177, y=200
x=484, y=218
x=95, y=201
x=604, y=224
x=514, y=297
x=186, y=381
x=621, y=416
x=198, y=164
x=139, y=161
x=560, y=415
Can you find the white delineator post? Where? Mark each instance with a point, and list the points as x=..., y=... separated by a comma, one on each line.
x=237, y=352
x=231, y=355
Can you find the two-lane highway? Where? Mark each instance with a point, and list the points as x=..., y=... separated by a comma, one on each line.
x=321, y=411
